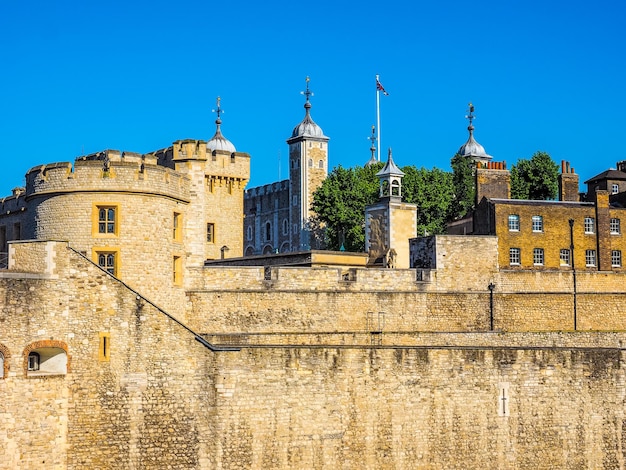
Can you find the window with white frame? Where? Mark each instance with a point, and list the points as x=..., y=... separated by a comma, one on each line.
x=590, y=257
x=590, y=225
x=615, y=227
x=537, y=223
x=564, y=257
x=514, y=256
x=616, y=258
x=538, y=256
x=513, y=223
x=614, y=188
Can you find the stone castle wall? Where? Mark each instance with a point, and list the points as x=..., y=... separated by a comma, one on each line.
x=342, y=400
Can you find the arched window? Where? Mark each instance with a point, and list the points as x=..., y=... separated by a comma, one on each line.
x=249, y=233
x=47, y=357
x=268, y=231
x=285, y=227
x=395, y=188
x=1, y=366
x=310, y=163
x=320, y=164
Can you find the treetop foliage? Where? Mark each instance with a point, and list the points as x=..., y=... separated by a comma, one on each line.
x=440, y=196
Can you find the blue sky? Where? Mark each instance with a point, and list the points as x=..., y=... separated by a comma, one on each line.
x=79, y=77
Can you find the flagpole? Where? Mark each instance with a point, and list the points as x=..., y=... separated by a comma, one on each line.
x=378, y=113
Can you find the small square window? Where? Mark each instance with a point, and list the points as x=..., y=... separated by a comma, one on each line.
x=537, y=223
x=538, y=256
x=513, y=223
x=616, y=258
x=106, y=220
x=615, y=227
x=590, y=225
x=514, y=256
x=34, y=360
x=614, y=188
x=590, y=258
x=564, y=257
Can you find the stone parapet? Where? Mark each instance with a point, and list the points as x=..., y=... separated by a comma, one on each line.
x=92, y=175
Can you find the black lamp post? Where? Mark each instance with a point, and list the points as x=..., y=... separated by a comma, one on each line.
x=571, y=249
x=491, y=287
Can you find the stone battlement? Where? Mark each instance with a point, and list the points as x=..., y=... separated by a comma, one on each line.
x=14, y=203
x=267, y=189
x=108, y=171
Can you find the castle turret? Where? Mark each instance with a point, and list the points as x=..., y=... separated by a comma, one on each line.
x=308, y=167
x=390, y=223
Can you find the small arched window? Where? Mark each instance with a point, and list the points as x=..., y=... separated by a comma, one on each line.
x=46, y=357
x=268, y=232
x=310, y=163
x=1, y=365
x=285, y=227
x=249, y=233
x=395, y=188
x=320, y=164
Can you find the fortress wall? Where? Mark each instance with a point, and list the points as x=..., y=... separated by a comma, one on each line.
x=240, y=300
x=164, y=400
x=146, y=407
x=435, y=408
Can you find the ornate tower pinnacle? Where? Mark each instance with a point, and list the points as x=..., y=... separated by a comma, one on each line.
x=373, y=139
x=218, y=141
x=470, y=117
x=308, y=93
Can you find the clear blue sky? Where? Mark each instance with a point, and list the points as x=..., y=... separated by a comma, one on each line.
x=80, y=76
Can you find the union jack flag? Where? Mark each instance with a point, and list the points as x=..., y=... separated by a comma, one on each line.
x=379, y=87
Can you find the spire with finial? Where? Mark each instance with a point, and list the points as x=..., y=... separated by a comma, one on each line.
x=471, y=148
x=218, y=141
x=307, y=127
x=372, y=138
x=470, y=117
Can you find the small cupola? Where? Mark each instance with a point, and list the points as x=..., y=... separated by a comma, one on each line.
x=471, y=148
x=390, y=179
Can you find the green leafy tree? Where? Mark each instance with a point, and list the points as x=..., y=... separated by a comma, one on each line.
x=536, y=178
x=341, y=200
x=340, y=205
x=463, y=180
x=433, y=193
